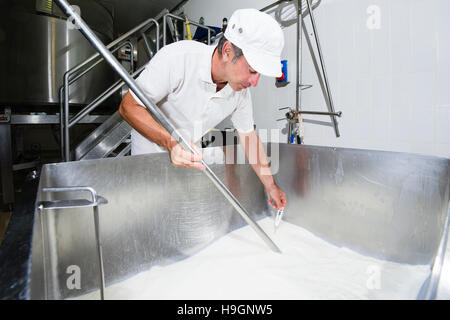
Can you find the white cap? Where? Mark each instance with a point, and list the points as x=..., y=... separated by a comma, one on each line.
x=260, y=37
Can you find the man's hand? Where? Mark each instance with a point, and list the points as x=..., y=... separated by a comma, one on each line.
x=186, y=159
x=277, y=197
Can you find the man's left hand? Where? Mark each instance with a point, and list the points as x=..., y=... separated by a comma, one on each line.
x=277, y=197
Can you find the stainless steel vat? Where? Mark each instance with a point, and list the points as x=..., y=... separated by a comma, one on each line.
x=392, y=206
x=36, y=51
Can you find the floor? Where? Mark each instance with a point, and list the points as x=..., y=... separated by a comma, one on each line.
x=4, y=220
x=47, y=156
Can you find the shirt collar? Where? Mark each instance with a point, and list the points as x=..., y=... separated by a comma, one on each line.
x=206, y=67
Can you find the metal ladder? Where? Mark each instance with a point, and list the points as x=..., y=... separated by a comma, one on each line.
x=112, y=138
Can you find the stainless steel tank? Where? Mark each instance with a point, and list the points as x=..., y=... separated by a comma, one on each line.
x=384, y=205
x=35, y=52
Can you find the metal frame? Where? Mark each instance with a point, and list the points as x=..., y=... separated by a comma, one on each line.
x=329, y=97
x=172, y=16
x=321, y=72
x=163, y=120
x=64, y=93
x=78, y=203
x=65, y=125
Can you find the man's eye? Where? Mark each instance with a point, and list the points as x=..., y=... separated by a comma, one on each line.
x=252, y=71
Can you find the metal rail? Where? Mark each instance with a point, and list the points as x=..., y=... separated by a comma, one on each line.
x=163, y=120
x=63, y=102
x=170, y=15
x=68, y=80
x=105, y=95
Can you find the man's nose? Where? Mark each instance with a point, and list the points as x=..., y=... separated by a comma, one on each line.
x=254, y=79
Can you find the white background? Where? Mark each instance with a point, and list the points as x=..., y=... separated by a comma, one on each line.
x=392, y=84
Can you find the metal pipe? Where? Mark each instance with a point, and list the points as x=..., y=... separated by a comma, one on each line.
x=164, y=30
x=66, y=118
x=99, y=251
x=322, y=63
x=270, y=6
x=299, y=55
x=61, y=123
x=334, y=114
x=162, y=119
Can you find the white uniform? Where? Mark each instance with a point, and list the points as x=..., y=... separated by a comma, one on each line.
x=178, y=80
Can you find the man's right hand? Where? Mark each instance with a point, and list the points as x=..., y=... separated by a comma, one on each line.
x=186, y=159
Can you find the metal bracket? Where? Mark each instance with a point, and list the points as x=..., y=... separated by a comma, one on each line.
x=81, y=203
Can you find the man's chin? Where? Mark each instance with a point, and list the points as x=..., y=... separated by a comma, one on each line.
x=236, y=87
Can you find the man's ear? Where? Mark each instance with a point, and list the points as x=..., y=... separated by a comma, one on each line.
x=227, y=51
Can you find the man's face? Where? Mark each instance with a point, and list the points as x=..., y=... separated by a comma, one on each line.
x=240, y=74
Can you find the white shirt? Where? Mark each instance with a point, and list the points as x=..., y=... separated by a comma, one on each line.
x=178, y=81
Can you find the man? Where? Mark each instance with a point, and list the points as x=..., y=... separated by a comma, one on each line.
x=197, y=86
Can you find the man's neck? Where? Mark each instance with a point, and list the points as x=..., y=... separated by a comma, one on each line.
x=217, y=73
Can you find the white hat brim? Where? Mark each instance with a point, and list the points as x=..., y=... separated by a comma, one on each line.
x=263, y=63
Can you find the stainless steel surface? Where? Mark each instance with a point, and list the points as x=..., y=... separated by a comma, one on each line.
x=161, y=118
x=77, y=204
x=390, y=206
x=6, y=163
x=51, y=119
x=432, y=291
x=443, y=290
x=37, y=50
x=105, y=139
x=125, y=151
x=147, y=45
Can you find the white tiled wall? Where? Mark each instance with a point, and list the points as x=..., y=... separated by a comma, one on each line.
x=392, y=84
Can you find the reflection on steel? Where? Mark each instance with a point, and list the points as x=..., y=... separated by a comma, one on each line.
x=34, y=55
x=52, y=119
x=386, y=205
x=163, y=120
x=105, y=139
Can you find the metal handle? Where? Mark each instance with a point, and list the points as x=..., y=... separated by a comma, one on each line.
x=163, y=120
x=96, y=201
